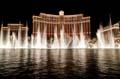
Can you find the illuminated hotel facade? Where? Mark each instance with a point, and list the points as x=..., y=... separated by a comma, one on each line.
x=14, y=28
x=68, y=22
x=115, y=29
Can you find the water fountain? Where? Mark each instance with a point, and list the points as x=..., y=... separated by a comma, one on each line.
x=26, y=43
x=44, y=39
x=63, y=40
x=39, y=41
x=100, y=38
x=111, y=41
x=105, y=40
x=8, y=43
x=82, y=42
x=55, y=44
x=75, y=39
x=1, y=37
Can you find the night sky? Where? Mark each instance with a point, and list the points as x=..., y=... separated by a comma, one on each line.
x=22, y=10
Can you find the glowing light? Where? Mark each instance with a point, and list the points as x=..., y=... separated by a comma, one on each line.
x=61, y=12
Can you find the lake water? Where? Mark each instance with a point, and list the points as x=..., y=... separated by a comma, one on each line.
x=60, y=64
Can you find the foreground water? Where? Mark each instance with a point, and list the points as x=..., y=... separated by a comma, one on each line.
x=60, y=64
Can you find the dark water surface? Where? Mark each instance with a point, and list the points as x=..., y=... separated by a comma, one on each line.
x=60, y=64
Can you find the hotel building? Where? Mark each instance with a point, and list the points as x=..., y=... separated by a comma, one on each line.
x=68, y=22
x=14, y=29
x=115, y=29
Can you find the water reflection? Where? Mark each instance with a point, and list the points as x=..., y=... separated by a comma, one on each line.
x=60, y=64
x=109, y=63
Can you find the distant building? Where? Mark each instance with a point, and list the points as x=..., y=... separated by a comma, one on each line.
x=68, y=22
x=115, y=29
x=14, y=29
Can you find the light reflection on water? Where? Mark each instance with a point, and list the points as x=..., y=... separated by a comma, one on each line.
x=60, y=64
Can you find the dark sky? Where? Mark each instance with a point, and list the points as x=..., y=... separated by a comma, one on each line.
x=22, y=10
